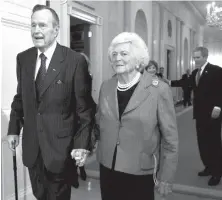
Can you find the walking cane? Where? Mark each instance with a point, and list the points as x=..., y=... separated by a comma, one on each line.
x=15, y=169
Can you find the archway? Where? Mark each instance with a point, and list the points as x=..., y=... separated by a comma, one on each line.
x=141, y=25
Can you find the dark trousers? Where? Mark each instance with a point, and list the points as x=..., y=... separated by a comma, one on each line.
x=118, y=185
x=187, y=97
x=209, y=143
x=50, y=186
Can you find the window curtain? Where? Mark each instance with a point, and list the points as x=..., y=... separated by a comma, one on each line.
x=215, y=52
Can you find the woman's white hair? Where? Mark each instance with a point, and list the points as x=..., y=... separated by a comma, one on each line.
x=139, y=48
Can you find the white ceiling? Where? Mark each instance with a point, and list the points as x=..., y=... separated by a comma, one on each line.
x=210, y=34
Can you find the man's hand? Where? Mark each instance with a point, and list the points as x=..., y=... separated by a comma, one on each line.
x=216, y=112
x=80, y=156
x=13, y=141
x=166, y=80
x=164, y=189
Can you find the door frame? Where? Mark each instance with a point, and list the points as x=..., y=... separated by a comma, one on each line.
x=88, y=14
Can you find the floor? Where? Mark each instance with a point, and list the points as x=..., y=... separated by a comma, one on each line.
x=188, y=167
x=89, y=190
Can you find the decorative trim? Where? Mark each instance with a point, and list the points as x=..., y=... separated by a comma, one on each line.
x=195, y=10
x=80, y=3
x=169, y=28
x=15, y=24
x=81, y=13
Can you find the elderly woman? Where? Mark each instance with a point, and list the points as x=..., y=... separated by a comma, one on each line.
x=135, y=117
x=152, y=67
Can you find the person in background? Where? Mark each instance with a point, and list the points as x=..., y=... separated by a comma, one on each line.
x=53, y=94
x=207, y=105
x=135, y=115
x=152, y=67
x=161, y=72
x=186, y=83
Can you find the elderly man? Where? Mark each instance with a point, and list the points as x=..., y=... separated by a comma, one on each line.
x=53, y=95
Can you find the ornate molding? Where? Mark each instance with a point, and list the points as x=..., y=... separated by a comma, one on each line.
x=81, y=13
x=15, y=24
x=195, y=11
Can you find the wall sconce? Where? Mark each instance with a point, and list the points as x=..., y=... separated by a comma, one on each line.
x=90, y=34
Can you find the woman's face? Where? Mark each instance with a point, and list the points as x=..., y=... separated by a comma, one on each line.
x=123, y=59
x=152, y=69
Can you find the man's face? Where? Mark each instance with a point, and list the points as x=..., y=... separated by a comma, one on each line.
x=161, y=70
x=199, y=59
x=43, y=31
x=188, y=72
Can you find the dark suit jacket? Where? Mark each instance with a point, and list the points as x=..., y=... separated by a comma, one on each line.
x=65, y=100
x=185, y=82
x=208, y=92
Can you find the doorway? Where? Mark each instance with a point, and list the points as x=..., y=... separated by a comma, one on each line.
x=169, y=64
x=80, y=35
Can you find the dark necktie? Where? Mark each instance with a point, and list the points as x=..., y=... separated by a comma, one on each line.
x=198, y=76
x=41, y=75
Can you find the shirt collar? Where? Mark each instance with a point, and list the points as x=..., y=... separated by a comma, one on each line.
x=203, y=67
x=49, y=52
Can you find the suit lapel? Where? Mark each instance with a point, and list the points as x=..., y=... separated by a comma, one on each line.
x=54, y=68
x=204, y=73
x=140, y=93
x=31, y=65
x=112, y=98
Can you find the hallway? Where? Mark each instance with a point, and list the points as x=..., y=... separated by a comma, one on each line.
x=188, y=166
x=189, y=160
x=84, y=192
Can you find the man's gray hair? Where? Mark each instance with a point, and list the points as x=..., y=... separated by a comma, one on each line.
x=203, y=50
x=139, y=48
x=39, y=7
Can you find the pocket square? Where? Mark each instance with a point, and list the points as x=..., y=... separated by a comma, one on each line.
x=59, y=82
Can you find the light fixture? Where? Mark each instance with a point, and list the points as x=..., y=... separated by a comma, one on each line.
x=214, y=15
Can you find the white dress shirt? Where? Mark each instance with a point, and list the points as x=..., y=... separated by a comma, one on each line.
x=48, y=53
x=203, y=67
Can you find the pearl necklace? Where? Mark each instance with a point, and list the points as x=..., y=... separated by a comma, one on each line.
x=127, y=86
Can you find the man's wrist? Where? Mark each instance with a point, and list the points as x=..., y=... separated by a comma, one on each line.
x=217, y=107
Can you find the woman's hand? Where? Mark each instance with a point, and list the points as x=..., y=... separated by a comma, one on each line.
x=164, y=188
x=80, y=156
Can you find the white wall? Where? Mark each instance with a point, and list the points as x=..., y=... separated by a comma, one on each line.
x=146, y=7
x=15, y=35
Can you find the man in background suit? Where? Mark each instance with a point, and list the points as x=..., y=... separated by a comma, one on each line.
x=207, y=106
x=161, y=72
x=185, y=83
x=53, y=95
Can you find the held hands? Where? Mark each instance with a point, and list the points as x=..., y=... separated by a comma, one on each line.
x=80, y=156
x=13, y=141
x=216, y=112
x=164, y=188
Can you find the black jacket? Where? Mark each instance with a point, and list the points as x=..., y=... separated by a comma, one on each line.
x=65, y=100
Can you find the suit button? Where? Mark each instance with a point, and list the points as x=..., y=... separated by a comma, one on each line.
x=39, y=113
x=118, y=142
